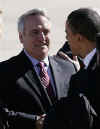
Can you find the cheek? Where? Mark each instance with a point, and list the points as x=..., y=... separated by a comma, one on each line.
x=48, y=40
x=70, y=42
x=72, y=45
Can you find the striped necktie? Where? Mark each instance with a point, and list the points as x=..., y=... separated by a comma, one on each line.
x=45, y=80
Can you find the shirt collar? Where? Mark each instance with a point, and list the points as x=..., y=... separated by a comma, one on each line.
x=88, y=58
x=35, y=61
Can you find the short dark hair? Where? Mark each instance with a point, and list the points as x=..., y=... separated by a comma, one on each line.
x=85, y=21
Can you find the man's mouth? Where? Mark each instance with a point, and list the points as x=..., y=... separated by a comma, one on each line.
x=44, y=46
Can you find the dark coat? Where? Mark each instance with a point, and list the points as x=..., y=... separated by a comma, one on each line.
x=70, y=113
x=79, y=109
x=21, y=89
x=87, y=82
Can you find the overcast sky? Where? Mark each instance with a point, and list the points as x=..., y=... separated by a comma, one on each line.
x=57, y=10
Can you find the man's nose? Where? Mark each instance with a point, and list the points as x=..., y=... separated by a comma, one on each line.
x=42, y=36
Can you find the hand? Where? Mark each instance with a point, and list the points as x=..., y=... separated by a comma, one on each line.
x=74, y=61
x=39, y=121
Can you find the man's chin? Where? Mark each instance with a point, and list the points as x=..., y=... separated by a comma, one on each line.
x=44, y=49
x=44, y=52
x=43, y=55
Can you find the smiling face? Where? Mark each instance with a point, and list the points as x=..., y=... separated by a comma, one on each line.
x=35, y=37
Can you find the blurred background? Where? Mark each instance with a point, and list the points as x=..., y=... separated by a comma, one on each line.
x=57, y=10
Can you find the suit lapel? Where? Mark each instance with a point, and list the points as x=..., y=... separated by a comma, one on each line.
x=25, y=86
x=29, y=73
x=59, y=81
x=33, y=80
x=37, y=86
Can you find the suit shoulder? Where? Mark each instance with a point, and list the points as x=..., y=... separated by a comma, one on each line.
x=8, y=61
x=62, y=62
x=8, y=64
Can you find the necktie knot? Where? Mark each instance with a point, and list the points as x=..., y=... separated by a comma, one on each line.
x=41, y=64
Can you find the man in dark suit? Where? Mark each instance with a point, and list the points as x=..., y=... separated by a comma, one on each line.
x=21, y=87
x=84, y=45
x=81, y=29
x=82, y=81
x=89, y=85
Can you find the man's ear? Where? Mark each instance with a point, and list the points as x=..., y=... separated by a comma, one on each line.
x=21, y=37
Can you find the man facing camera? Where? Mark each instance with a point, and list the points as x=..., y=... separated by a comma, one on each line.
x=32, y=81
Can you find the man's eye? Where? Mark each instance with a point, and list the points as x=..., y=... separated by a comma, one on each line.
x=35, y=32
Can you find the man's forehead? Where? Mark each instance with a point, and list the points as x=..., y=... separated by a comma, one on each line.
x=37, y=20
x=38, y=24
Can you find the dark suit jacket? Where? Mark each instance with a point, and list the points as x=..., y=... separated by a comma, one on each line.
x=87, y=82
x=70, y=113
x=21, y=88
x=83, y=81
x=75, y=110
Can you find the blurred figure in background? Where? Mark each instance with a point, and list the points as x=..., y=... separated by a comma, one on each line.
x=1, y=23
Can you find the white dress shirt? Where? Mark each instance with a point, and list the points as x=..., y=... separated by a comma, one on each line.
x=89, y=57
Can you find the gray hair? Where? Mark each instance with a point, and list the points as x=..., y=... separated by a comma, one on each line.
x=22, y=18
